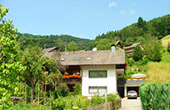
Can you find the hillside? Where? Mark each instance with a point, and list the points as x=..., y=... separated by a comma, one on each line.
x=47, y=41
x=138, y=32
x=165, y=41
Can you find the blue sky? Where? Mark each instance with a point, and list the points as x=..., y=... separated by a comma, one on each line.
x=81, y=18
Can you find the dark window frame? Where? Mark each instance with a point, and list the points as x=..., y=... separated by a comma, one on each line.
x=97, y=89
x=97, y=73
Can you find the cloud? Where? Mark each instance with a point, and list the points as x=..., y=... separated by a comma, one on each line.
x=112, y=4
x=123, y=12
x=132, y=12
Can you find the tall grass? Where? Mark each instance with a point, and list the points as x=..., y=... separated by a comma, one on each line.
x=158, y=72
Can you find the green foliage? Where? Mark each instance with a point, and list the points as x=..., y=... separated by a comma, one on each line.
x=165, y=57
x=138, y=53
x=96, y=99
x=81, y=102
x=111, y=97
x=77, y=89
x=72, y=46
x=36, y=64
x=153, y=49
x=29, y=40
x=157, y=27
x=58, y=104
x=104, y=44
x=62, y=90
x=9, y=64
x=155, y=96
x=168, y=48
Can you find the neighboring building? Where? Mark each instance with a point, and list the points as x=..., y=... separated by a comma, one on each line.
x=130, y=48
x=98, y=69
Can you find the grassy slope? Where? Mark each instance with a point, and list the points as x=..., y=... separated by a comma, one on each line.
x=159, y=72
x=165, y=41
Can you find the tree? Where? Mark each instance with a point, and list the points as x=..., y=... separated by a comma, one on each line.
x=153, y=49
x=61, y=44
x=104, y=44
x=138, y=53
x=36, y=64
x=72, y=46
x=9, y=64
x=168, y=48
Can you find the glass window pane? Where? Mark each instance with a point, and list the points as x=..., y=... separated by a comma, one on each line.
x=102, y=89
x=93, y=89
x=102, y=73
x=93, y=74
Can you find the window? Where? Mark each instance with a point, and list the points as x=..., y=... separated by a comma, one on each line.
x=98, y=74
x=97, y=90
x=76, y=59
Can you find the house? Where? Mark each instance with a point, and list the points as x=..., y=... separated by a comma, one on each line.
x=98, y=69
x=130, y=48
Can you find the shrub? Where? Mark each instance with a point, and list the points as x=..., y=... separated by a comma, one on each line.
x=168, y=48
x=81, y=102
x=62, y=90
x=155, y=96
x=77, y=89
x=96, y=99
x=138, y=53
x=58, y=104
x=111, y=97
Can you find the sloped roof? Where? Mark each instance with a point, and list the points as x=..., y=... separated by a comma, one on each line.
x=133, y=45
x=105, y=57
x=50, y=49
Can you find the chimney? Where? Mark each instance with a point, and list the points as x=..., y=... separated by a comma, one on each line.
x=113, y=49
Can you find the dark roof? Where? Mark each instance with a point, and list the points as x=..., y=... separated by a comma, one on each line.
x=104, y=57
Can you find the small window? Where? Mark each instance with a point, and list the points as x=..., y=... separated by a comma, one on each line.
x=97, y=90
x=98, y=74
x=88, y=58
x=76, y=59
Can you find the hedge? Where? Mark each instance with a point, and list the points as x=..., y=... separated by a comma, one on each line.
x=155, y=96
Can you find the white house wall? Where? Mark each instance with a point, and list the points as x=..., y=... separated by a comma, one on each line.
x=110, y=82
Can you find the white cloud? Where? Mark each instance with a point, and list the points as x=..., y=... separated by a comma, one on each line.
x=123, y=12
x=112, y=4
x=132, y=12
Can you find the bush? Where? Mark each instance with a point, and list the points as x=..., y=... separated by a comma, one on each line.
x=96, y=99
x=62, y=90
x=138, y=53
x=81, y=102
x=77, y=89
x=155, y=96
x=111, y=97
x=58, y=104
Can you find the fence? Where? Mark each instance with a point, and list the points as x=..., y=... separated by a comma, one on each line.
x=106, y=106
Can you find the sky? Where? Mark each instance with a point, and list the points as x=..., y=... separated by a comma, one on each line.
x=80, y=18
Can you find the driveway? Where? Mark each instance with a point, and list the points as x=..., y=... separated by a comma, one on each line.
x=131, y=104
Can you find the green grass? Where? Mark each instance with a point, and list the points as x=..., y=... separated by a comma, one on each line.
x=158, y=72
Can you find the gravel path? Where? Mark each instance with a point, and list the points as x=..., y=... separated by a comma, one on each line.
x=131, y=104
